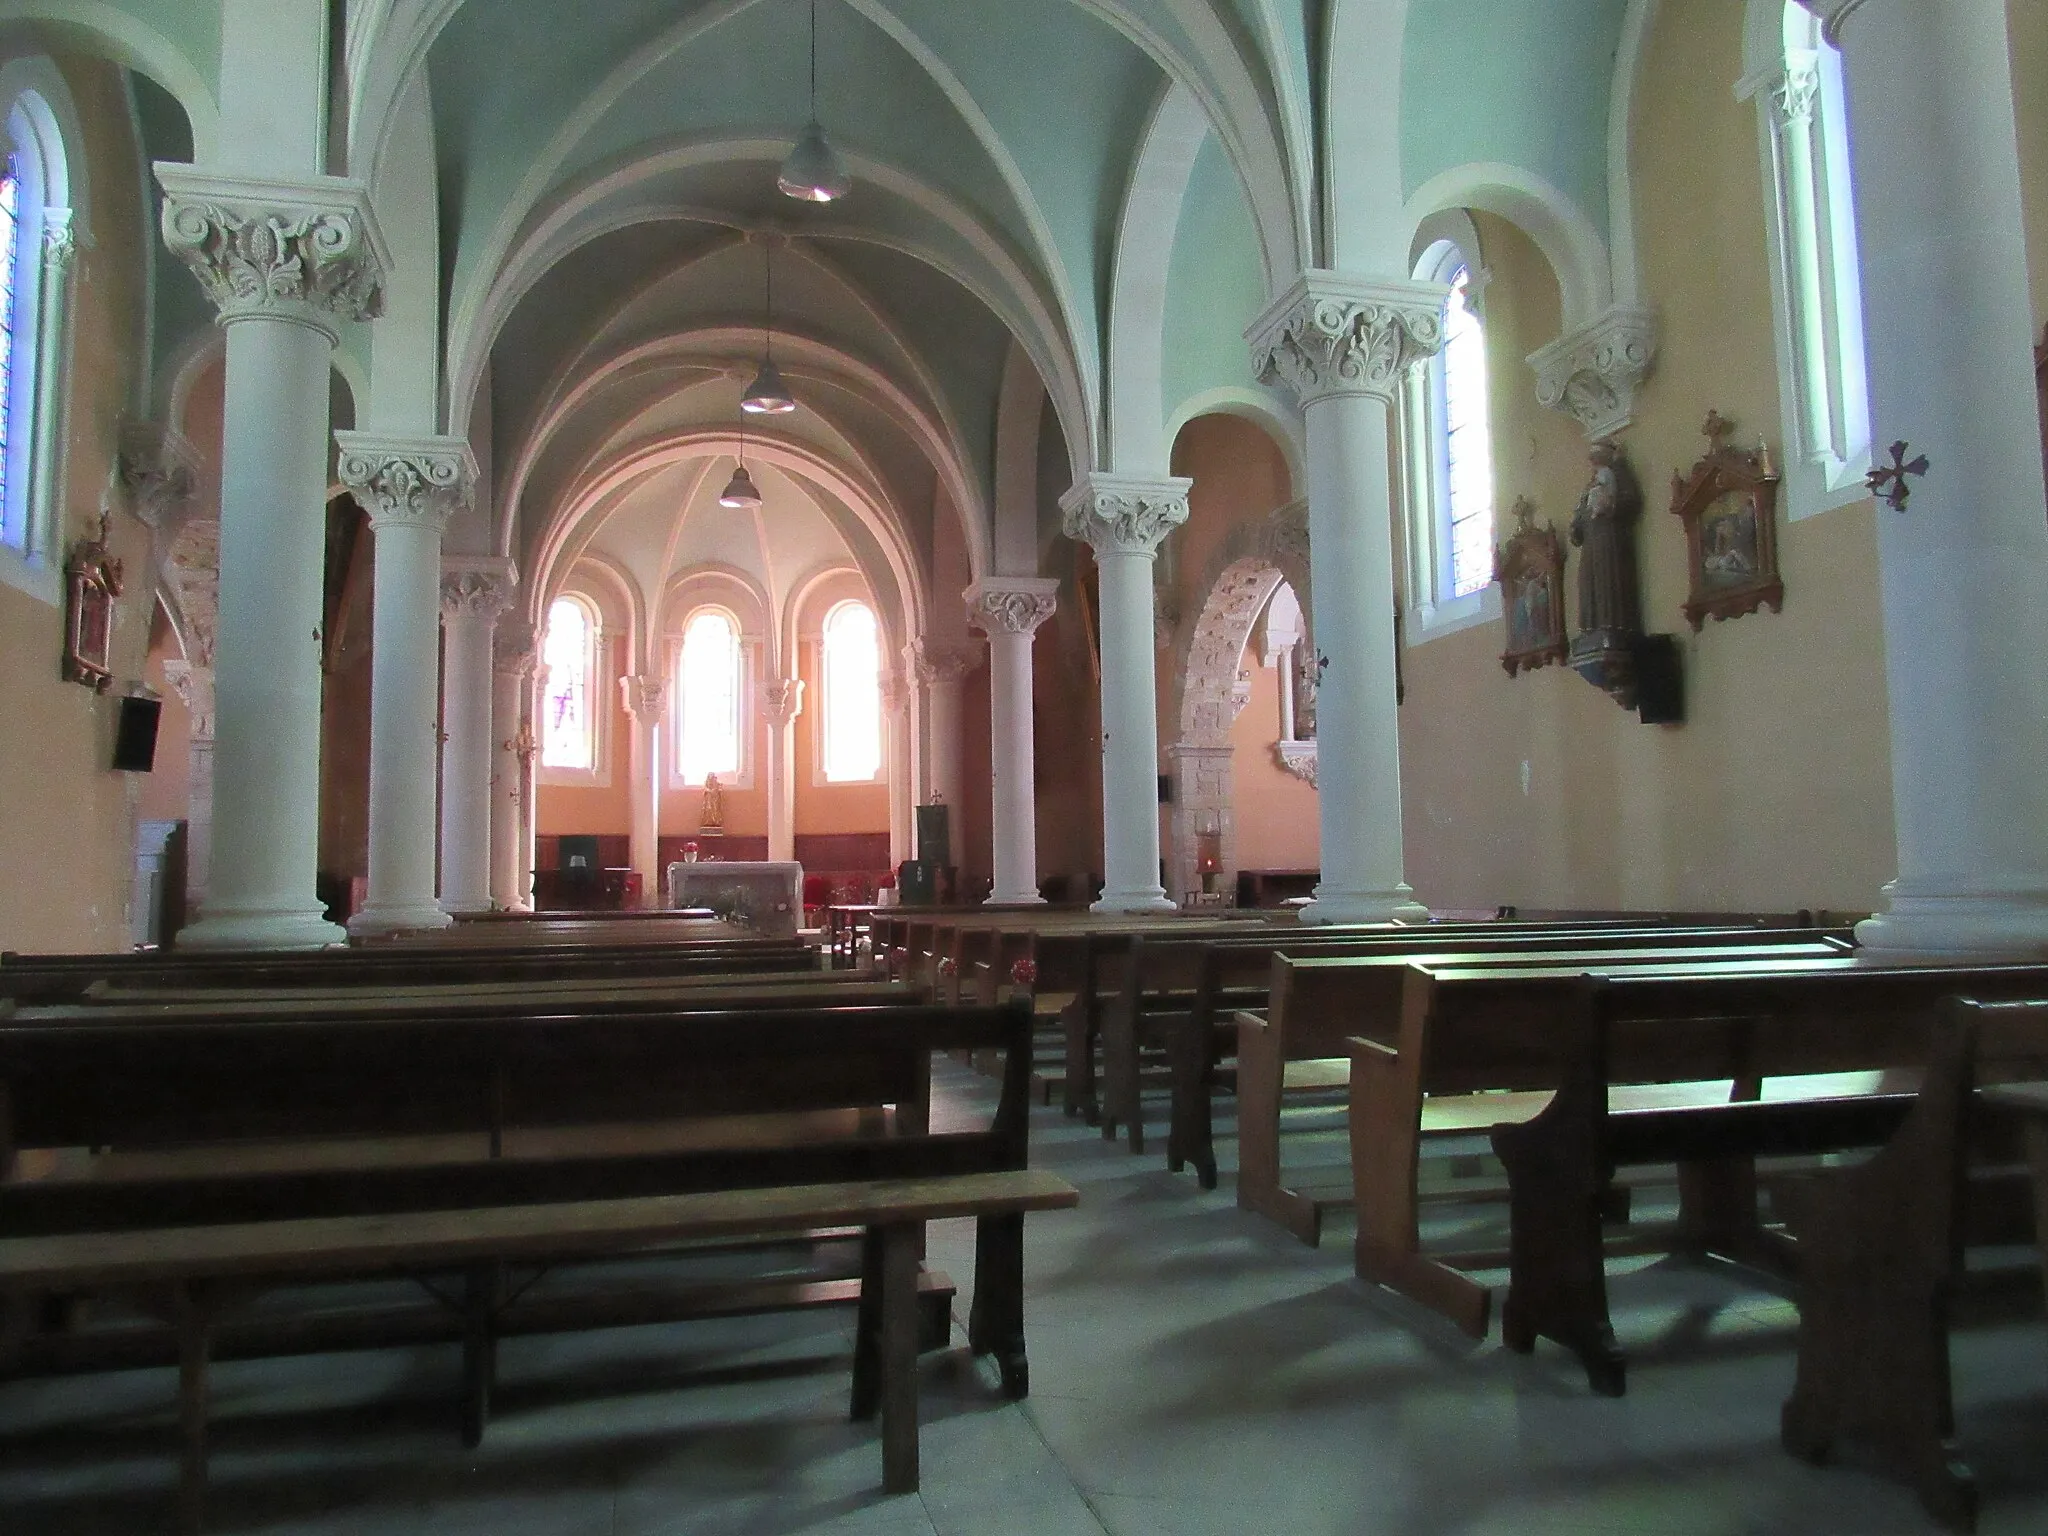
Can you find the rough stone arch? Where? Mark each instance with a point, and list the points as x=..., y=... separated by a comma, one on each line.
x=1243, y=574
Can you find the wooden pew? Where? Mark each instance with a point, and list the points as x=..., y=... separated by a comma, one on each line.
x=204, y=1235
x=1470, y=1031
x=1303, y=1042
x=1188, y=991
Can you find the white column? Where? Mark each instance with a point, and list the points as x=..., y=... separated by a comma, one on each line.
x=51, y=380
x=941, y=671
x=782, y=700
x=896, y=763
x=1343, y=345
x=646, y=699
x=512, y=748
x=474, y=591
x=1009, y=610
x=1126, y=521
x=285, y=263
x=1964, y=562
x=410, y=487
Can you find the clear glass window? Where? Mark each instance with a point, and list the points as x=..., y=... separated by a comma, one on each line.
x=853, y=695
x=10, y=244
x=1467, y=443
x=709, y=682
x=568, y=723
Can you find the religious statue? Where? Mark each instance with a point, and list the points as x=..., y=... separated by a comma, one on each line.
x=712, y=817
x=1610, y=604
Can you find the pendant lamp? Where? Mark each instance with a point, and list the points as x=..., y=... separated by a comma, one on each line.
x=768, y=395
x=740, y=492
x=814, y=173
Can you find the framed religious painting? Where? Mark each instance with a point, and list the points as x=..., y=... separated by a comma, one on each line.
x=92, y=580
x=1530, y=570
x=1729, y=505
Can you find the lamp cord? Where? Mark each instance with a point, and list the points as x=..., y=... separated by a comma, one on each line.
x=814, y=60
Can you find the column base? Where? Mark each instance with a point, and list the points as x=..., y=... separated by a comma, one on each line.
x=998, y=899
x=463, y=908
x=1333, y=906
x=380, y=921
x=262, y=928
x=1153, y=900
x=1985, y=924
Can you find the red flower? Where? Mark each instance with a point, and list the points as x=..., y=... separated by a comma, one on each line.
x=947, y=965
x=1025, y=972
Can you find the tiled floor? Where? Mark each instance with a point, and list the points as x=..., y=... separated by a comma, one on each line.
x=1193, y=1371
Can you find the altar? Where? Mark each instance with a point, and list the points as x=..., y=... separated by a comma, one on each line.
x=766, y=894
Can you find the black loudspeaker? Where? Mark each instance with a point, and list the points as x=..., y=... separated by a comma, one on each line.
x=1166, y=789
x=935, y=835
x=1660, y=681
x=135, y=735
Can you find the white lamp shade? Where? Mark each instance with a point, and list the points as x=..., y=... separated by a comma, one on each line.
x=768, y=395
x=740, y=491
x=814, y=173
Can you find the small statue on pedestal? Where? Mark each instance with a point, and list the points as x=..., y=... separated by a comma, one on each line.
x=1610, y=604
x=711, y=818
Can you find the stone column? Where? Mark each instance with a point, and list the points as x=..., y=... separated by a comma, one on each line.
x=50, y=384
x=782, y=700
x=896, y=763
x=512, y=656
x=646, y=699
x=1343, y=345
x=410, y=487
x=1126, y=521
x=286, y=264
x=1962, y=562
x=474, y=591
x=941, y=671
x=1009, y=610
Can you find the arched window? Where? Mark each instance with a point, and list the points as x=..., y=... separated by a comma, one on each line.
x=1816, y=283
x=568, y=734
x=37, y=237
x=852, y=682
x=710, y=684
x=1448, y=455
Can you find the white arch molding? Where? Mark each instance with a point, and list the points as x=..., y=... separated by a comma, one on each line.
x=1560, y=228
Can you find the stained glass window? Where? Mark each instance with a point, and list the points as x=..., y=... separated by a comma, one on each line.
x=853, y=695
x=10, y=242
x=709, y=681
x=1468, y=442
x=569, y=651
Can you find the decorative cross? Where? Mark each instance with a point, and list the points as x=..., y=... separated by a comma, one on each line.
x=1888, y=481
x=1718, y=429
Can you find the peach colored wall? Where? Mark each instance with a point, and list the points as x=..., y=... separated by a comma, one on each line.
x=1776, y=792
x=1276, y=813
x=67, y=819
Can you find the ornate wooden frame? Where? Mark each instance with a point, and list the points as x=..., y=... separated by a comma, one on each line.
x=92, y=580
x=1729, y=504
x=1530, y=570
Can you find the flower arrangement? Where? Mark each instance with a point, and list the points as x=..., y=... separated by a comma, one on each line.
x=1024, y=973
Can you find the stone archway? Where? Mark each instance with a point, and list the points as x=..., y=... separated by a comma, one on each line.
x=1213, y=688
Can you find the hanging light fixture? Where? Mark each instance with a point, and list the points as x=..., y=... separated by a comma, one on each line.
x=740, y=492
x=814, y=173
x=768, y=395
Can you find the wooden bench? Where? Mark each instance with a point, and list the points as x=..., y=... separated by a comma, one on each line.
x=1302, y=1043
x=1187, y=992
x=1466, y=1031
x=207, y=1236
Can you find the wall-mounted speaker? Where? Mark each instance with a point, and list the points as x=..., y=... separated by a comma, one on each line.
x=1166, y=789
x=135, y=735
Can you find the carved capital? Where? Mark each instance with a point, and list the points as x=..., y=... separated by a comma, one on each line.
x=513, y=651
x=1795, y=92
x=477, y=587
x=646, y=698
x=935, y=664
x=158, y=469
x=193, y=684
x=1011, y=605
x=1336, y=335
x=407, y=482
x=782, y=699
x=308, y=251
x=60, y=242
x=1834, y=15
x=1119, y=516
x=1592, y=374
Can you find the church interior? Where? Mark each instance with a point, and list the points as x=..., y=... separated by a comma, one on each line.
x=490, y=489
